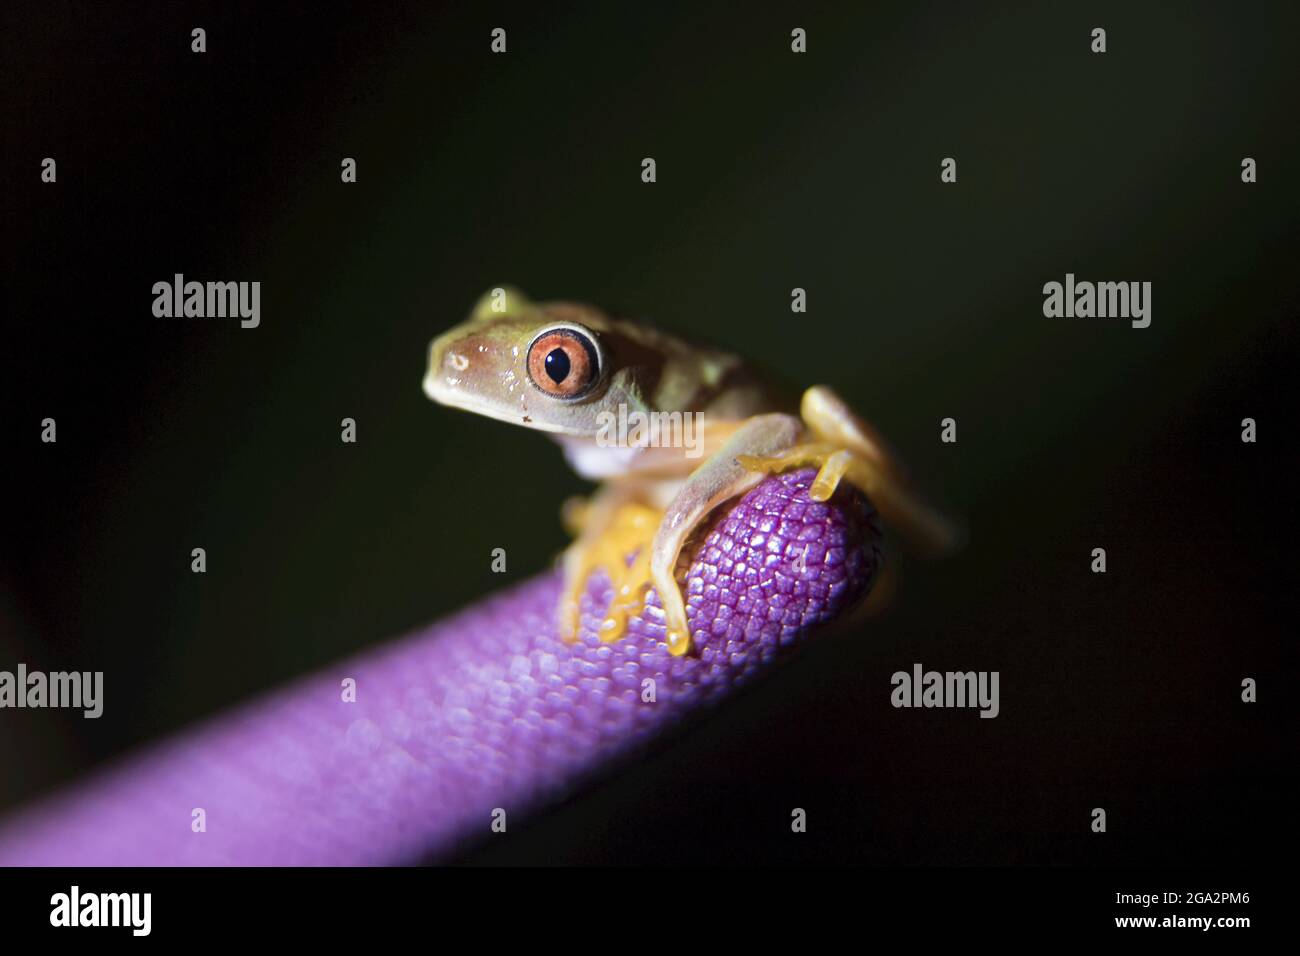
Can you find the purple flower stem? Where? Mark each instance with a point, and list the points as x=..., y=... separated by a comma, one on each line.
x=484, y=711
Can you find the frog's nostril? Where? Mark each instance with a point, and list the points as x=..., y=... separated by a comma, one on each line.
x=456, y=361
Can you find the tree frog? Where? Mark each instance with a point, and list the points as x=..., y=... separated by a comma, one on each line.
x=572, y=371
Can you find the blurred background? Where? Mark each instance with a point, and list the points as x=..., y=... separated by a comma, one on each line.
x=775, y=170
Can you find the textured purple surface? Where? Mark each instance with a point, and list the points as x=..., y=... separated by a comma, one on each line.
x=482, y=710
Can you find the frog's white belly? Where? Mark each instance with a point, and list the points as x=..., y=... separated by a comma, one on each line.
x=599, y=462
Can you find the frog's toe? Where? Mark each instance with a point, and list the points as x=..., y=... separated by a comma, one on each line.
x=677, y=634
x=631, y=584
x=627, y=536
x=833, y=464
x=836, y=465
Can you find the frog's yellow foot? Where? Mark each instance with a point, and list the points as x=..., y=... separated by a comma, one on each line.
x=611, y=549
x=833, y=464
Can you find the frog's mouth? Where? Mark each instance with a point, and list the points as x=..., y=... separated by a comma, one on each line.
x=443, y=394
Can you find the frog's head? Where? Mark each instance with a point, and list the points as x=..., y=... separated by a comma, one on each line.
x=544, y=366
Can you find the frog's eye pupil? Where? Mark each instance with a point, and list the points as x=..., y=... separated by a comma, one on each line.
x=557, y=365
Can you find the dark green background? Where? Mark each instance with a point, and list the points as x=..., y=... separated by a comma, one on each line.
x=775, y=170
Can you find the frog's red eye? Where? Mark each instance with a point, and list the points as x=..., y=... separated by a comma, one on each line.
x=563, y=362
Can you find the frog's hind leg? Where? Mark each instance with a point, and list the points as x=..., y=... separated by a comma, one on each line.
x=844, y=447
x=718, y=479
x=611, y=528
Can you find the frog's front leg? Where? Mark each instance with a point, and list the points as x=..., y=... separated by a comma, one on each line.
x=613, y=534
x=718, y=479
x=844, y=447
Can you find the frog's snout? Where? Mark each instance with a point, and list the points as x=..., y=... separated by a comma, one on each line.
x=446, y=363
x=465, y=369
